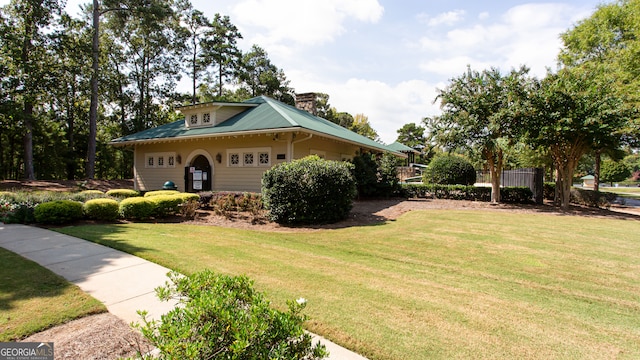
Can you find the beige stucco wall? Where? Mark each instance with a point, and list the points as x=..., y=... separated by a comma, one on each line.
x=225, y=177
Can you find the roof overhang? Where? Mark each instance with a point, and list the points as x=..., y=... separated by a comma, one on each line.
x=257, y=132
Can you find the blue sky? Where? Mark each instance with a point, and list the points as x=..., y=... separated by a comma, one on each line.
x=387, y=58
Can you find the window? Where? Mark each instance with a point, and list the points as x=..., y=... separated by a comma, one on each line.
x=249, y=157
x=193, y=120
x=206, y=118
x=234, y=159
x=160, y=160
x=263, y=158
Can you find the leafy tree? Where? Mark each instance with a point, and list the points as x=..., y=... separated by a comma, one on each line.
x=572, y=111
x=483, y=111
x=608, y=44
x=362, y=126
x=25, y=44
x=196, y=25
x=263, y=78
x=220, y=48
x=412, y=135
x=614, y=171
x=152, y=45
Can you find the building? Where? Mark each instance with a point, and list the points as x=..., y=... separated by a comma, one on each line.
x=225, y=146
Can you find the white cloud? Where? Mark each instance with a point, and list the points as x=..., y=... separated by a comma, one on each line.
x=524, y=35
x=448, y=18
x=388, y=107
x=303, y=22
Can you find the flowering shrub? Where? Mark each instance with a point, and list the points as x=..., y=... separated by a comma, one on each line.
x=224, y=317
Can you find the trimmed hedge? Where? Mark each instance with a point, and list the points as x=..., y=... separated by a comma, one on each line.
x=309, y=191
x=122, y=193
x=58, y=212
x=166, y=205
x=140, y=208
x=521, y=195
x=102, y=209
x=592, y=198
x=161, y=192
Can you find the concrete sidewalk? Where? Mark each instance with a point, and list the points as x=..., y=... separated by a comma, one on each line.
x=123, y=282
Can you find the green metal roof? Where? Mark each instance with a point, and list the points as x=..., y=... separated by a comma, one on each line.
x=269, y=115
x=402, y=147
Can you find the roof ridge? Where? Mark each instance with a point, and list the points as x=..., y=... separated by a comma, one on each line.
x=275, y=105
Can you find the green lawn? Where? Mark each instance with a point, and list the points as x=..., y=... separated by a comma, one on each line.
x=432, y=284
x=630, y=192
x=33, y=298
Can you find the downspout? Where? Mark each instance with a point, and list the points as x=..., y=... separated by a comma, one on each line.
x=291, y=147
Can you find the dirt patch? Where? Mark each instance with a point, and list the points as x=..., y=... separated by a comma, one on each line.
x=64, y=185
x=102, y=336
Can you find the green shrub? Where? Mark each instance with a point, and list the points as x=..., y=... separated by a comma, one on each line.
x=166, y=205
x=365, y=172
x=86, y=195
x=450, y=170
x=161, y=192
x=520, y=195
x=186, y=197
x=376, y=177
x=122, y=193
x=592, y=198
x=516, y=195
x=309, y=190
x=58, y=212
x=102, y=209
x=140, y=208
x=549, y=191
x=224, y=317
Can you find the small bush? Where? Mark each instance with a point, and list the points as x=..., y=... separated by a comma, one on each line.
x=140, y=208
x=519, y=195
x=516, y=195
x=122, y=193
x=549, y=191
x=102, y=209
x=166, y=205
x=85, y=195
x=309, y=191
x=592, y=198
x=225, y=203
x=224, y=317
x=58, y=212
x=450, y=170
x=161, y=192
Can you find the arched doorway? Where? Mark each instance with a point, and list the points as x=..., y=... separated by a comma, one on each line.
x=197, y=175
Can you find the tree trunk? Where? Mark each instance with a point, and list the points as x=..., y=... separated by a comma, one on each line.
x=71, y=163
x=596, y=175
x=495, y=168
x=194, y=99
x=29, y=174
x=564, y=182
x=27, y=112
x=93, y=109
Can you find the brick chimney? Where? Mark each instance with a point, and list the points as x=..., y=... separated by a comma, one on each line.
x=306, y=102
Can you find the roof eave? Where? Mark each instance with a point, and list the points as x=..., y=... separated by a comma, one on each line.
x=254, y=132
